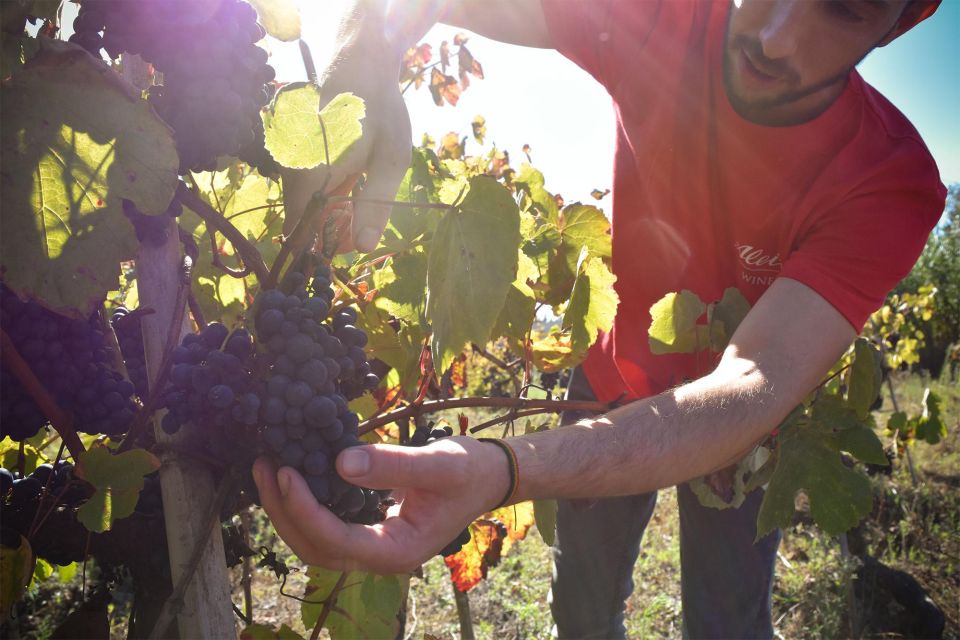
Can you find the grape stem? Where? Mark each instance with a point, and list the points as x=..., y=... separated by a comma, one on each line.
x=60, y=420
x=520, y=404
x=314, y=207
x=328, y=604
x=174, y=603
x=248, y=253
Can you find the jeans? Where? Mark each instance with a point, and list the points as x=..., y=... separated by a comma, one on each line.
x=726, y=579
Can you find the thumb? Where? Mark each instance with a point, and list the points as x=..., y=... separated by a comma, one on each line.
x=387, y=169
x=382, y=466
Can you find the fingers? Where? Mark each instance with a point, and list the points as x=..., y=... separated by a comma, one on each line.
x=265, y=475
x=388, y=165
x=382, y=466
x=318, y=537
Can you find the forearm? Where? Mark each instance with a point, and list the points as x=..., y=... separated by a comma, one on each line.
x=653, y=443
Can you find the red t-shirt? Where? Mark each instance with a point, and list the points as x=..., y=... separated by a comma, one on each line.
x=704, y=200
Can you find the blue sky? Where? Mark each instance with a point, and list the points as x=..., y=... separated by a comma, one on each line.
x=539, y=98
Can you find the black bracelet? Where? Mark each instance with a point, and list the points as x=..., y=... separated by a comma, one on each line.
x=513, y=467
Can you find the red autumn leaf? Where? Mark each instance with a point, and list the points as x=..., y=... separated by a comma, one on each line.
x=470, y=565
x=517, y=518
x=463, y=422
x=458, y=371
x=444, y=88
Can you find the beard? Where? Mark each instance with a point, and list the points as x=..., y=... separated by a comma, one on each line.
x=759, y=108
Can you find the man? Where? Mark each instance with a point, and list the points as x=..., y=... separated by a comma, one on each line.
x=750, y=154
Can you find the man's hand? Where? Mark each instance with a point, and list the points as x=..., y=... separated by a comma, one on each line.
x=367, y=65
x=440, y=489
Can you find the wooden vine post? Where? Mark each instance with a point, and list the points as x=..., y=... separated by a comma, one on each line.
x=187, y=486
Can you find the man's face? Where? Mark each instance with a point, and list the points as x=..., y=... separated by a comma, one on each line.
x=785, y=61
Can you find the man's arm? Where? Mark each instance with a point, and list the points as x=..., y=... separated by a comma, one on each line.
x=780, y=352
x=520, y=22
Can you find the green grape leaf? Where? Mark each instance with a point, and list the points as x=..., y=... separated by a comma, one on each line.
x=674, y=328
x=930, y=427
x=555, y=351
x=593, y=302
x=518, y=312
x=584, y=227
x=808, y=460
x=264, y=632
x=531, y=181
x=897, y=422
x=257, y=632
x=75, y=141
x=401, y=286
x=16, y=569
x=118, y=480
x=253, y=205
x=725, y=316
x=366, y=605
x=473, y=262
x=10, y=454
x=844, y=429
x=865, y=377
x=399, y=349
x=41, y=571
x=419, y=185
x=280, y=18
x=294, y=132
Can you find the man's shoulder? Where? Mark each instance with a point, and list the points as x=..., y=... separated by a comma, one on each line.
x=886, y=124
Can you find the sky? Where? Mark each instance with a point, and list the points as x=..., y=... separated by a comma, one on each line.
x=538, y=97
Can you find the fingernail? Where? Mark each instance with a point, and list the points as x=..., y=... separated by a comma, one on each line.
x=355, y=462
x=283, y=479
x=368, y=238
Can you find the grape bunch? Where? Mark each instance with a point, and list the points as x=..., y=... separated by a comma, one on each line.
x=129, y=334
x=52, y=490
x=215, y=78
x=422, y=436
x=312, y=363
x=70, y=357
x=215, y=390
x=152, y=230
x=550, y=380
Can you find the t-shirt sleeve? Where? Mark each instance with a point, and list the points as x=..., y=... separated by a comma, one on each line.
x=600, y=35
x=860, y=250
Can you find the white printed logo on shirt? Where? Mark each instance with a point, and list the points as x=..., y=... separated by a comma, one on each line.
x=758, y=266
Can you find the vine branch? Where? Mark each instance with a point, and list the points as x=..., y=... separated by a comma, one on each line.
x=520, y=404
x=328, y=604
x=59, y=419
x=248, y=253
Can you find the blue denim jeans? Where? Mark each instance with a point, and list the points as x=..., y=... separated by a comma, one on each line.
x=726, y=579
